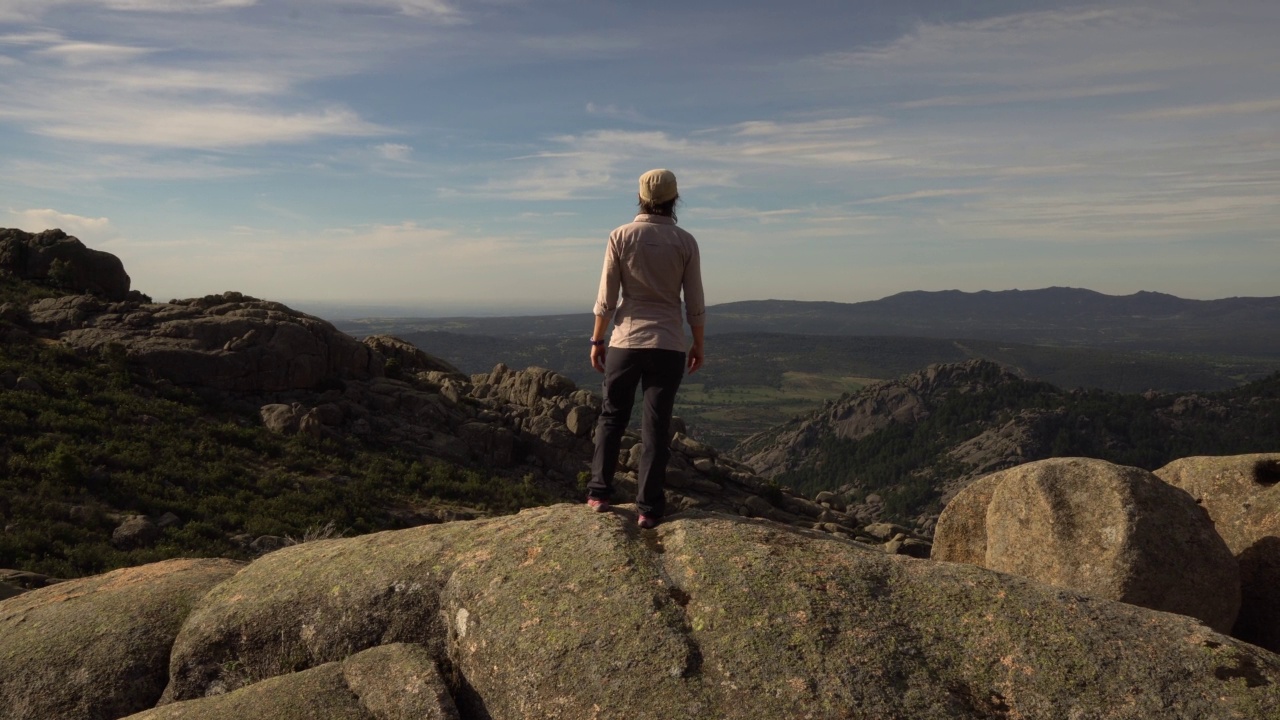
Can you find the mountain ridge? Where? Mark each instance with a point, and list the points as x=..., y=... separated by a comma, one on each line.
x=1060, y=316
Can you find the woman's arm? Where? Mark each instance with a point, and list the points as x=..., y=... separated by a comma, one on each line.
x=606, y=304
x=598, y=350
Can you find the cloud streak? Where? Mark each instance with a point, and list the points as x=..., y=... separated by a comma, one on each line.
x=47, y=219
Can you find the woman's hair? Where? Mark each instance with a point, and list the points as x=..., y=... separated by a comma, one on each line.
x=667, y=208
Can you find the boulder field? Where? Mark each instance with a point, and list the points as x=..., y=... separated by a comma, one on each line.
x=559, y=612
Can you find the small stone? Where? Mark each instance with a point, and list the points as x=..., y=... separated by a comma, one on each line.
x=916, y=548
x=269, y=543
x=580, y=420
x=136, y=531
x=759, y=506
x=830, y=499
x=885, y=531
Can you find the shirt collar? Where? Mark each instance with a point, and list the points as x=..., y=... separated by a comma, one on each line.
x=656, y=219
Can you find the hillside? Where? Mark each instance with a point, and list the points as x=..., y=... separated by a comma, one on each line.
x=754, y=381
x=914, y=441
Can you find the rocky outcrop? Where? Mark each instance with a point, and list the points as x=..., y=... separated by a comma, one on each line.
x=407, y=358
x=905, y=401
x=796, y=445
x=561, y=612
x=1018, y=440
x=947, y=426
x=97, y=648
x=1107, y=530
x=228, y=341
x=56, y=258
x=1242, y=496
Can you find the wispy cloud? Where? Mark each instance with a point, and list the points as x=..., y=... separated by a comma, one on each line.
x=926, y=195
x=87, y=173
x=564, y=183
x=170, y=5
x=614, y=112
x=85, y=53
x=42, y=37
x=599, y=43
x=434, y=8
x=18, y=10
x=589, y=164
x=1033, y=95
x=1209, y=110
x=24, y=9
x=38, y=219
x=182, y=126
x=773, y=128
x=138, y=102
x=394, y=151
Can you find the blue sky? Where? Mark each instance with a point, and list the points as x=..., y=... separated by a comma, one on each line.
x=452, y=156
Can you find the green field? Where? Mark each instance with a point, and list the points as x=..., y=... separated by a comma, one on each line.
x=724, y=415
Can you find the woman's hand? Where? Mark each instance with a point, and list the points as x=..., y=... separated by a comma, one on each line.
x=597, y=356
x=695, y=358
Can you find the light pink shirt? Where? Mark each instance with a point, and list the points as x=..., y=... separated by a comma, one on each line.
x=651, y=261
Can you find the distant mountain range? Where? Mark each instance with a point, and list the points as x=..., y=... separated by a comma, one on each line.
x=1144, y=321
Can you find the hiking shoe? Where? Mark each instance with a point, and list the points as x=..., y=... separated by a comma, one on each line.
x=598, y=504
x=647, y=522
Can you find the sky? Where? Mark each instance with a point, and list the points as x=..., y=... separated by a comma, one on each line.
x=441, y=157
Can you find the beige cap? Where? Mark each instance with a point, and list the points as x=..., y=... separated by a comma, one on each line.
x=658, y=186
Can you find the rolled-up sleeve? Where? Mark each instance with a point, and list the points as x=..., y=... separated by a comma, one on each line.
x=695, y=307
x=610, y=282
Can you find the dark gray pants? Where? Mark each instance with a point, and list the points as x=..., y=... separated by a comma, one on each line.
x=658, y=373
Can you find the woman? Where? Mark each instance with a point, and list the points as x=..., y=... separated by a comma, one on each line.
x=651, y=261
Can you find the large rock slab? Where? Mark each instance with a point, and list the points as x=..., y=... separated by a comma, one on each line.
x=561, y=612
x=391, y=682
x=97, y=648
x=1107, y=530
x=1242, y=495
